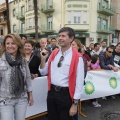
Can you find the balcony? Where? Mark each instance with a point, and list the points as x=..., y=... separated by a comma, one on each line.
x=3, y=21
x=71, y=0
x=3, y=7
x=47, y=29
x=79, y=27
x=106, y=9
x=47, y=8
x=16, y=31
x=19, y=31
x=20, y=16
x=105, y=29
x=22, y=31
x=30, y=29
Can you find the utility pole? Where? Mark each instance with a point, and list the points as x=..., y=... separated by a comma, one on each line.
x=35, y=3
x=8, y=17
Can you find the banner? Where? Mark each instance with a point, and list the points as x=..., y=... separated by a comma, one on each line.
x=101, y=83
x=40, y=88
x=97, y=84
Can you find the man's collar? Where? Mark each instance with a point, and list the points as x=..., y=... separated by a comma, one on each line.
x=66, y=52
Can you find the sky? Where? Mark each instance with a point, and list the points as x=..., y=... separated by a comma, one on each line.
x=2, y=1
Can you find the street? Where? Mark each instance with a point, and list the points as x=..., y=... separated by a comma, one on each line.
x=109, y=110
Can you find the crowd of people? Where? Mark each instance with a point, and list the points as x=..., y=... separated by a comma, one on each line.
x=64, y=60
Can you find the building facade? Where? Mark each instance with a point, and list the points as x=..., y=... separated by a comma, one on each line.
x=115, y=21
x=89, y=18
x=3, y=21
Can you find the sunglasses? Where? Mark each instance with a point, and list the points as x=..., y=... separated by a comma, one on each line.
x=60, y=61
x=110, y=51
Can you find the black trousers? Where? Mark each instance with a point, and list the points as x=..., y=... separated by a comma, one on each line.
x=58, y=105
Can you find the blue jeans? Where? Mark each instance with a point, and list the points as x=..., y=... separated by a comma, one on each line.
x=13, y=109
x=75, y=117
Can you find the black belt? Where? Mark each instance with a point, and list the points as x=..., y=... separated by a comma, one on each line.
x=58, y=88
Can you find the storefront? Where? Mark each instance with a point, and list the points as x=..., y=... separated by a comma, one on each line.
x=82, y=37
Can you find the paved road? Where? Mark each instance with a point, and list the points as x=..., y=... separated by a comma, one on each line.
x=113, y=106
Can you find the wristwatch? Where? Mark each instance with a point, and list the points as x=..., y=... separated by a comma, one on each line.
x=75, y=103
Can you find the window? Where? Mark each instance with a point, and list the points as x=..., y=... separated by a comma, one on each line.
x=105, y=4
x=50, y=23
x=22, y=27
x=69, y=17
x=104, y=23
x=14, y=28
x=14, y=12
x=99, y=22
x=30, y=5
x=1, y=31
x=30, y=22
x=84, y=17
x=49, y=4
x=22, y=10
x=76, y=17
x=27, y=24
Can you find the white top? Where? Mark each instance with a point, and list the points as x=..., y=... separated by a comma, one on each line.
x=94, y=52
x=102, y=49
x=59, y=75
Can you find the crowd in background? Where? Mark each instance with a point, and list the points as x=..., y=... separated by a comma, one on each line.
x=96, y=56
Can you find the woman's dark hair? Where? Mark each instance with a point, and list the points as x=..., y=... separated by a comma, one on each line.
x=30, y=42
x=94, y=59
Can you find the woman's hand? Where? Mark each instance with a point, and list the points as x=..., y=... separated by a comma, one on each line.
x=34, y=76
x=31, y=101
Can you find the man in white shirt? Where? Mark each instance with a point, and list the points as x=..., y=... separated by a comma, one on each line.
x=96, y=49
x=62, y=99
x=103, y=46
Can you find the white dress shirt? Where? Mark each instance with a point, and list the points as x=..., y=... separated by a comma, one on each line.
x=94, y=52
x=102, y=49
x=60, y=75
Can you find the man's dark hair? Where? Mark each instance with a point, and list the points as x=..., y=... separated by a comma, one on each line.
x=71, y=32
x=96, y=44
x=53, y=39
x=91, y=44
x=103, y=41
x=22, y=35
x=109, y=47
x=118, y=44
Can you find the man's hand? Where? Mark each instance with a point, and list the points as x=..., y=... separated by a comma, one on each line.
x=44, y=54
x=115, y=69
x=73, y=110
x=110, y=66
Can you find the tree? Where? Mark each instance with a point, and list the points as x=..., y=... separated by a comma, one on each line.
x=35, y=2
x=8, y=17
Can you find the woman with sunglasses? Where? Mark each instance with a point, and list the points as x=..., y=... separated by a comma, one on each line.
x=15, y=80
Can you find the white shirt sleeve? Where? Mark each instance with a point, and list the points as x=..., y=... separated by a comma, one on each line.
x=44, y=71
x=79, y=79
